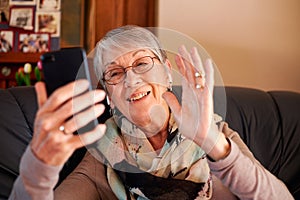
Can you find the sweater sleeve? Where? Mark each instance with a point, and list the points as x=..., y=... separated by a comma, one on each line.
x=87, y=181
x=244, y=175
x=36, y=179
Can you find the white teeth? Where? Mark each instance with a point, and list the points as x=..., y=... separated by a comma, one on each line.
x=138, y=96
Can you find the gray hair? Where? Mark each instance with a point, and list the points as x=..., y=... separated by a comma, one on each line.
x=124, y=39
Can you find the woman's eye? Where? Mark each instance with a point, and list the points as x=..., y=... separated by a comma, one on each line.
x=141, y=64
x=114, y=73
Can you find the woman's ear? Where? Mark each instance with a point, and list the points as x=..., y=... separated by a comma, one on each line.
x=108, y=99
x=109, y=102
x=168, y=64
x=168, y=68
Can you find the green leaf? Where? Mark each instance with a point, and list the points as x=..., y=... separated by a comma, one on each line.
x=27, y=79
x=37, y=73
x=18, y=79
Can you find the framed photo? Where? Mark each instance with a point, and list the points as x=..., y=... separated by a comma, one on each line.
x=4, y=11
x=48, y=22
x=22, y=17
x=34, y=42
x=22, y=2
x=6, y=40
x=53, y=5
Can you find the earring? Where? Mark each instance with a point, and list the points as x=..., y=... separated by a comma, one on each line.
x=170, y=84
x=107, y=100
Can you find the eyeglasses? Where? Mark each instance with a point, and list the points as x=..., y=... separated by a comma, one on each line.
x=117, y=74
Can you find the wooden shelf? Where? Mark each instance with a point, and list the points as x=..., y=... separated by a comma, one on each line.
x=10, y=62
x=14, y=57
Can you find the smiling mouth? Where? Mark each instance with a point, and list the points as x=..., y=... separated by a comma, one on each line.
x=138, y=96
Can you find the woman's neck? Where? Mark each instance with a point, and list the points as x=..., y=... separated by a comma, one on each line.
x=158, y=140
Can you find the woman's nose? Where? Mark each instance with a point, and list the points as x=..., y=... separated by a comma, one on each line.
x=132, y=79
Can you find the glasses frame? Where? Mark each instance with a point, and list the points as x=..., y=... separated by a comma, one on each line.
x=126, y=69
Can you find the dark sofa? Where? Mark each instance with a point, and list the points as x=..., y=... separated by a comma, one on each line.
x=268, y=122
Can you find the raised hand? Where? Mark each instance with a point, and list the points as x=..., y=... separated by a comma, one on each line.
x=195, y=114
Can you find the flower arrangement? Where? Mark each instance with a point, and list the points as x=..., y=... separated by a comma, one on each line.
x=23, y=75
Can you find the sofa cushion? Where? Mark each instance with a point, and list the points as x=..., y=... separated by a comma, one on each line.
x=17, y=112
x=269, y=123
x=254, y=115
x=288, y=104
x=18, y=108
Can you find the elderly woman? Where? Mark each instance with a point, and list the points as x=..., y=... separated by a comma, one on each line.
x=153, y=147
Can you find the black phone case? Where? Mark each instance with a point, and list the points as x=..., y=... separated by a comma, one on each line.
x=64, y=66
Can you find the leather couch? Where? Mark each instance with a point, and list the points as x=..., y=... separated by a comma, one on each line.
x=268, y=122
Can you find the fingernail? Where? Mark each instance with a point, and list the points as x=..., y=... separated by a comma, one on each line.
x=99, y=95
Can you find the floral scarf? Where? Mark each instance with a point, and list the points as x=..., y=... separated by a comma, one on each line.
x=136, y=171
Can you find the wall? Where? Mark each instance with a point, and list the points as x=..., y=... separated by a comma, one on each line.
x=254, y=43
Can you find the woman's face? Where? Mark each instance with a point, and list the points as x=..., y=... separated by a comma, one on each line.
x=139, y=96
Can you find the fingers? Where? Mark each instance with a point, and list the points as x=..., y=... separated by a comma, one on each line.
x=41, y=93
x=188, y=63
x=83, y=118
x=209, y=70
x=173, y=103
x=89, y=137
x=62, y=94
x=199, y=70
x=62, y=107
x=85, y=106
x=57, y=147
x=196, y=59
x=71, y=107
x=191, y=67
x=180, y=65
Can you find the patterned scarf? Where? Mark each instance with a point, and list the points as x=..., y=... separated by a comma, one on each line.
x=136, y=171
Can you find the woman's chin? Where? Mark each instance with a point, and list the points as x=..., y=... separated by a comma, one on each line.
x=154, y=121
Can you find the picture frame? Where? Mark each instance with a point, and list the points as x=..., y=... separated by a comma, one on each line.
x=49, y=5
x=22, y=17
x=48, y=22
x=34, y=42
x=22, y=2
x=4, y=11
x=6, y=41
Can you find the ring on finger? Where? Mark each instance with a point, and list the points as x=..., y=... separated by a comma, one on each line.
x=199, y=86
x=63, y=129
x=199, y=74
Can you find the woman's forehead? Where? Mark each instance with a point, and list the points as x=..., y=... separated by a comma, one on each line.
x=113, y=56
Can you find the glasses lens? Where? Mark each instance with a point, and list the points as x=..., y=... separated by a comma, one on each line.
x=142, y=65
x=115, y=75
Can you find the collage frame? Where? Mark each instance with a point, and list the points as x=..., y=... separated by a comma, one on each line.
x=34, y=42
x=49, y=22
x=38, y=18
x=50, y=6
x=22, y=17
x=7, y=42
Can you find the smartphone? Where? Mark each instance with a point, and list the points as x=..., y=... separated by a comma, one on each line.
x=64, y=66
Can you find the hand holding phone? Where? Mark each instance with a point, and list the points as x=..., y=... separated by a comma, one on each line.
x=65, y=66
